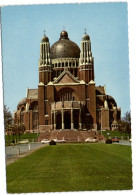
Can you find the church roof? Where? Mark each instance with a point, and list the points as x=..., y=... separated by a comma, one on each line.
x=22, y=101
x=111, y=100
x=32, y=93
x=100, y=90
x=65, y=48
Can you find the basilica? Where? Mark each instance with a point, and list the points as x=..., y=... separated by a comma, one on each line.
x=67, y=97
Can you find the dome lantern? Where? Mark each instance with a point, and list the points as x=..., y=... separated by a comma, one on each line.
x=64, y=35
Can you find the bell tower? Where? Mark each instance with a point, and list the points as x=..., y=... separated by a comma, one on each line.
x=45, y=67
x=45, y=76
x=86, y=61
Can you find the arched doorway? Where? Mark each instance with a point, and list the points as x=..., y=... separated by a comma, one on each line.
x=76, y=119
x=67, y=120
x=58, y=121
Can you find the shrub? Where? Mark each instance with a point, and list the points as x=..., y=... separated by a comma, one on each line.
x=52, y=142
x=108, y=141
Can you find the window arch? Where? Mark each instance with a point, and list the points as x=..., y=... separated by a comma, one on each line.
x=67, y=94
x=34, y=105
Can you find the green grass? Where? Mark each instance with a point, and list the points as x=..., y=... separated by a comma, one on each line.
x=114, y=133
x=30, y=136
x=72, y=167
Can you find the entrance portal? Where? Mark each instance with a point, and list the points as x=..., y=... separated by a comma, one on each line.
x=67, y=120
x=58, y=121
x=76, y=119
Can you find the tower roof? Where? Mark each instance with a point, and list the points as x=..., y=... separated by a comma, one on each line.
x=85, y=37
x=45, y=39
x=65, y=48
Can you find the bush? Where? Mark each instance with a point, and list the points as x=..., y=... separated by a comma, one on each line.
x=52, y=142
x=108, y=141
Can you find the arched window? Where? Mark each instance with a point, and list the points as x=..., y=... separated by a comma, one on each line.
x=34, y=105
x=66, y=95
x=22, y=109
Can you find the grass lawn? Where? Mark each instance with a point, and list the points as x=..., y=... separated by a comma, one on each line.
x=30, y=136
x=109, y=133
x=72, y=167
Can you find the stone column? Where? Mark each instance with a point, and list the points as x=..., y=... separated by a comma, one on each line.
x=81, y=46
x=62, y=118
x=66, y=96
x=72, y=118
x=54, y=120
x=80, y=122
x=51, y=120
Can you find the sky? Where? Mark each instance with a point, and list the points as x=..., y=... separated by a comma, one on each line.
x=23, y=28
x=106, y=23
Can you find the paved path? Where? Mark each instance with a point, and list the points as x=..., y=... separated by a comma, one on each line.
x=124, y=142
x=19, y=151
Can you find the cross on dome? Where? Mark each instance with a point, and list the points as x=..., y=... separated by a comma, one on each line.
x=44, y=32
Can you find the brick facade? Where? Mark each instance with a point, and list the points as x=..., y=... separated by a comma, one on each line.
x=67, y=96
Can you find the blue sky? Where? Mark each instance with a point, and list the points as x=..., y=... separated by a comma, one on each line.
x=22, y=30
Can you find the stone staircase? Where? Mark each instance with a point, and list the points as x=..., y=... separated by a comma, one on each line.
x=69, y=135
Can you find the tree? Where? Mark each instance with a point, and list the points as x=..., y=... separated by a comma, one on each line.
x=8, y=120
x=21, y=129
x=7, y=117
x=127, y=120
x=125, y=124
x=17, y=130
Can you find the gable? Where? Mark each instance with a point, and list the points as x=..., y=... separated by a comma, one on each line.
x=66, y=78
x=32, y=94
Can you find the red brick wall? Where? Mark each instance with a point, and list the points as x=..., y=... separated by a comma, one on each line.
x=92, y=101
x=105, y=119
x=86, y=74
x=41, y=104
x=26, y=120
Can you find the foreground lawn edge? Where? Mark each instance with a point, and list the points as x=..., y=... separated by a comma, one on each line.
x=72, y=167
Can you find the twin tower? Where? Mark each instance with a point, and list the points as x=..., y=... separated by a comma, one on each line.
x=66, y=55
x=67, y=97
x=66, y=91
